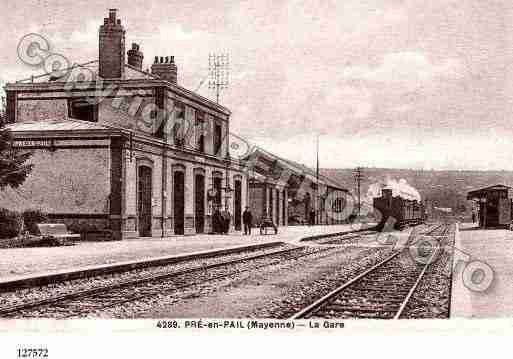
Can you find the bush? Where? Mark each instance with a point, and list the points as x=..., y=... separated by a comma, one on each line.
x=31, y=218
x=10, y=223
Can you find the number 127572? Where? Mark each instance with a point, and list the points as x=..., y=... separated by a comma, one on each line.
x=32, y=353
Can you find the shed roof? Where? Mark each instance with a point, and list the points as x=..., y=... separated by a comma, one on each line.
x=479, y=193
x=298, y=168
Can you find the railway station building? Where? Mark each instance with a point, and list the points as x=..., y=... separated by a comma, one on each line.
x=119, y=152
x=494, y=206
x=287, y=191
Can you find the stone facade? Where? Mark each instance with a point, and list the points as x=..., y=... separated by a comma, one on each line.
x=63, y=181
x=164, y=149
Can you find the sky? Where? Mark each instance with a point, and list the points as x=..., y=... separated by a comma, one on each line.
x=384, y=83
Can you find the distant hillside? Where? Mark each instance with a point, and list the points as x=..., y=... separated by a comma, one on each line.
x=443, y=188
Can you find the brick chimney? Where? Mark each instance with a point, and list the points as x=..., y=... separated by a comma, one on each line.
x=112, y=47
x=135, y=57
x=165, y=68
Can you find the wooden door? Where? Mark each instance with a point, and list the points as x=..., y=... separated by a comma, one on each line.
x=144, y=200
x=217, y=186
x=179, y=201
x=199, y=201
x=238, y=206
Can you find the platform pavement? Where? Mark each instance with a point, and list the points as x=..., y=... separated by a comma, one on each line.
x=21, y=262
x=495, y=248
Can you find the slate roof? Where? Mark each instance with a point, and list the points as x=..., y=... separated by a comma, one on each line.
x=130, y=73
x=299, y=168
x=65, y=124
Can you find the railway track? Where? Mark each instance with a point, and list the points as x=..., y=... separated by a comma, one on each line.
x=80, y=302
x=381, y=292
x=344, y=239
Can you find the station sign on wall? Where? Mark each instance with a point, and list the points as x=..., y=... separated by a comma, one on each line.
x=33, y=143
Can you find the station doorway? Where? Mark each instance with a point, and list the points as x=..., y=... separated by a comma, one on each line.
x=179, y=201
x=238, y=205
x=217, y=189
x=144, y=186
x=199, y=202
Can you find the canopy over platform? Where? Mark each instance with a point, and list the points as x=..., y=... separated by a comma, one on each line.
x=485, y=192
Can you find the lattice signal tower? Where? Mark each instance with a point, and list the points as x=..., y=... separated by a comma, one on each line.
x=219, y=72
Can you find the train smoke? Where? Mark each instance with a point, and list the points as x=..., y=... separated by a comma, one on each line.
x=399, y=188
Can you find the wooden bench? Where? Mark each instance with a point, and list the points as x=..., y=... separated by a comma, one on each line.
x=267, y=223
x=56, y=231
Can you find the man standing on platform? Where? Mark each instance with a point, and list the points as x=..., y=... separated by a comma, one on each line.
x=247, y=219
x=312, y=218
x=217, y=220
x=226, y=215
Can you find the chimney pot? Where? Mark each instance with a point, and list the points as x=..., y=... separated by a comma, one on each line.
x=166, y=69
x=172, y=59
x=111, y=47
x=135, y=56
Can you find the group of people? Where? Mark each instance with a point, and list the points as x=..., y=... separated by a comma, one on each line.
x=221, y=221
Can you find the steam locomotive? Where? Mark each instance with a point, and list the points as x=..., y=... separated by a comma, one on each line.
x=397, y=211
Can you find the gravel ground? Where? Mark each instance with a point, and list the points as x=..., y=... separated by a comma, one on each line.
x=123, y=299
x=432, y=298
x=37, y=293
x=25, y=261
x=273, y=292
x=256, y=292
x=307, y=292
x=263, y=293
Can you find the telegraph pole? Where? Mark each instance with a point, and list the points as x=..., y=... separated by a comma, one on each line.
x=358, y=176
x=219, y=70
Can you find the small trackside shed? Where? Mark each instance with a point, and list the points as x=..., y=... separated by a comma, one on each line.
x=494, y=205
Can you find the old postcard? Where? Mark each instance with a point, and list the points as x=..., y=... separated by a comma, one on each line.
x=170, y=168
